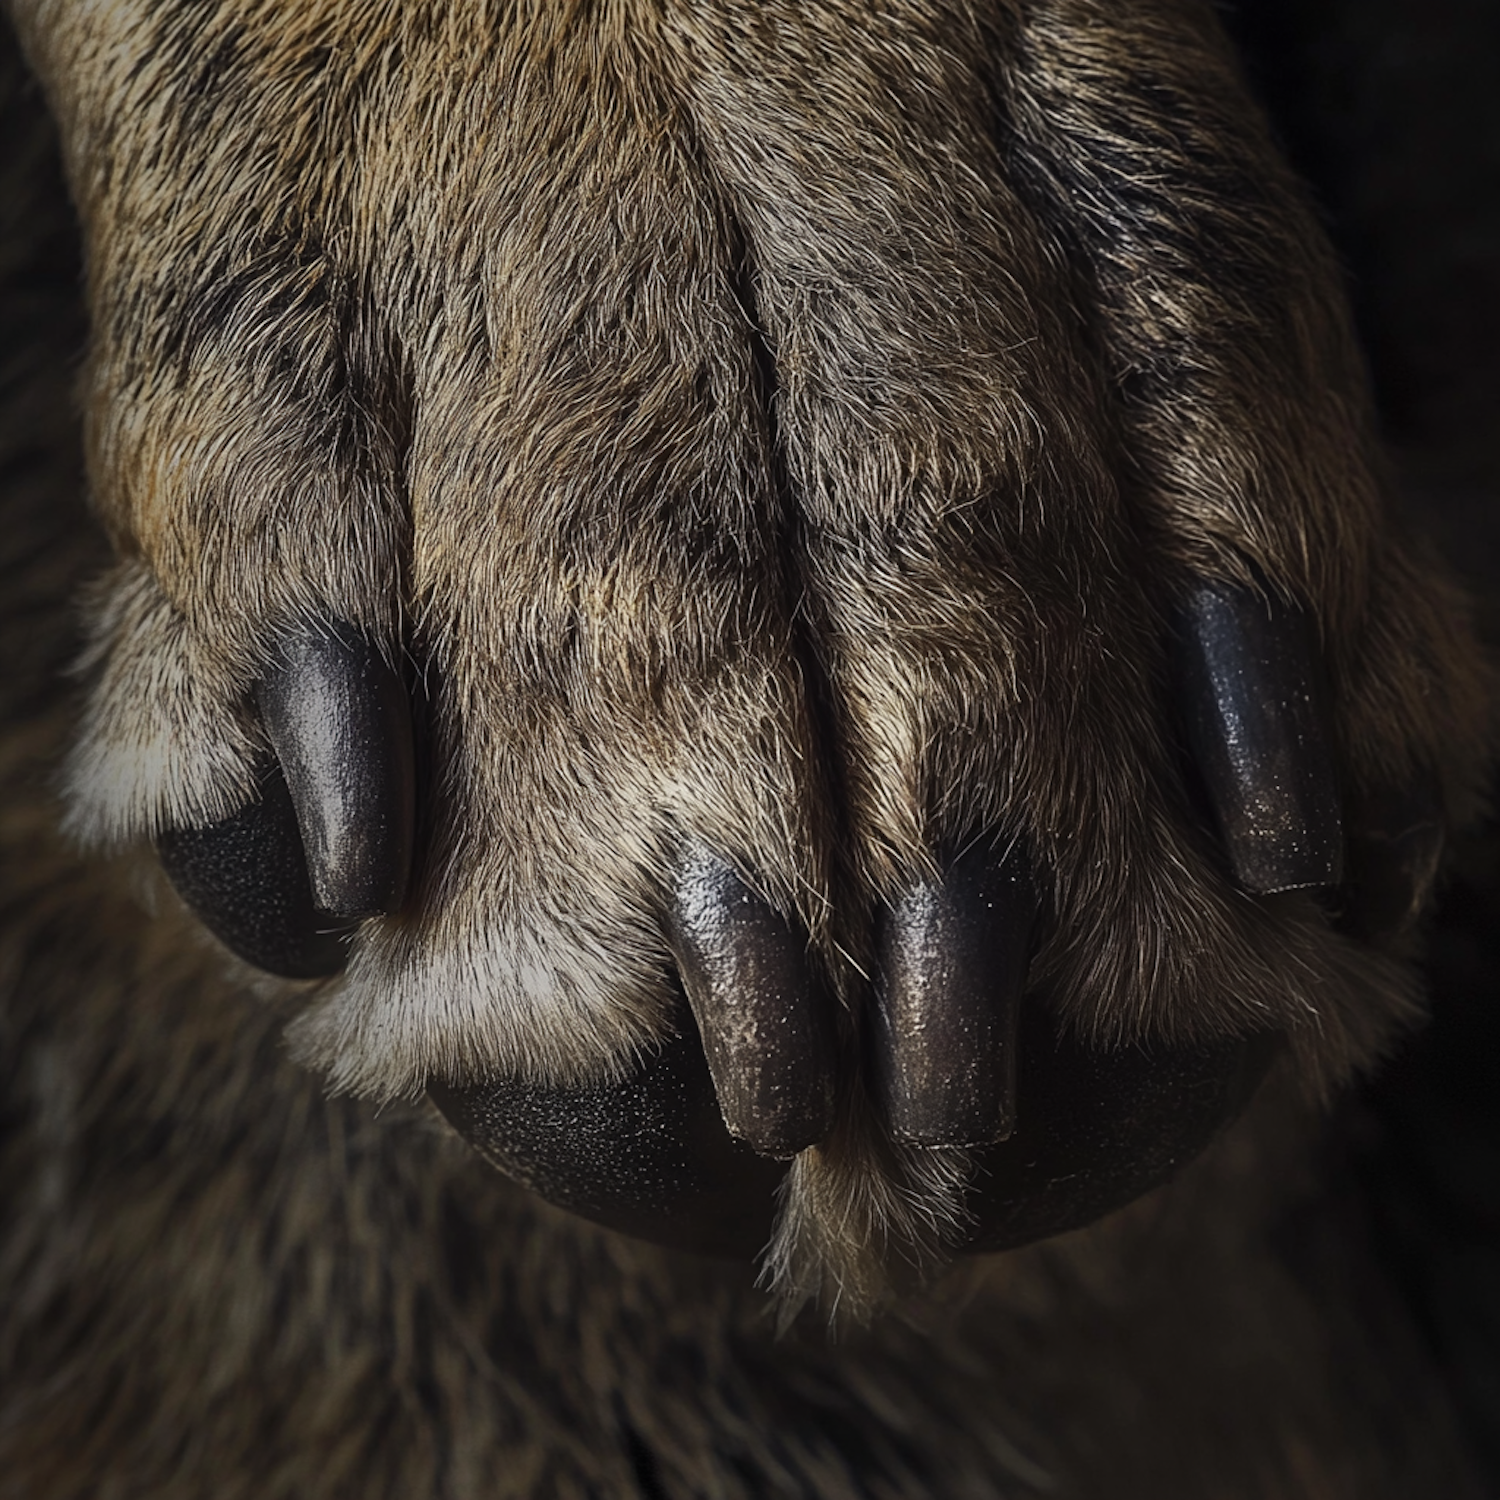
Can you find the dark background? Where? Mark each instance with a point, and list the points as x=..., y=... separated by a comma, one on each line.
x=1391, y=110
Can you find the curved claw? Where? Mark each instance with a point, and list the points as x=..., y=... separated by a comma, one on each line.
x=953, y=961
x=246, y=878
x=768, y=1043
x=1255, y=725
x=340, y=722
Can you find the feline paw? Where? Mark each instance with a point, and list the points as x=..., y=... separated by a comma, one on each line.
x=867, y=523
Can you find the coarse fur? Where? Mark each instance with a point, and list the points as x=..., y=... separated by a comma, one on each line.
x=749, y=440
x=778, y=430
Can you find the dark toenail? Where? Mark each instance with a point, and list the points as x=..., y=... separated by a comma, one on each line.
x=246, y=878
x=340, y=721
x=952, y=957
x=764, y=1022
x=1248, y=687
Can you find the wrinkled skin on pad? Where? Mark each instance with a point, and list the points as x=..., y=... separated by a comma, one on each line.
x=720, y=503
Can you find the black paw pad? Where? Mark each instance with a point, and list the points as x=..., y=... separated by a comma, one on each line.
x=648, y=1156
x=340, y=722
x=246, y=879
x=764, y=1023
x=952, y=958
x=1100, y=1126
x=1254, y=722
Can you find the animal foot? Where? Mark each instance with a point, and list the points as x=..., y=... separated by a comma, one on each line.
x=756, y=584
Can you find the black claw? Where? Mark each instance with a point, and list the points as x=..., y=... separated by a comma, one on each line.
x=246, y=878
x=768, y=1041
x=948, y=1001
x=1395, y=847
x=340, y=722
x=1254, y=722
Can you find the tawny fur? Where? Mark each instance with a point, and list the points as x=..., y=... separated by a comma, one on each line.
x=781, y=429
x=467, y=330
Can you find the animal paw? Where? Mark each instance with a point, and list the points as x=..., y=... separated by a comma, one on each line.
x=810, y=572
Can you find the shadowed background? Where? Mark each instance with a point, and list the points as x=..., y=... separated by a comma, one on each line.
x=1390, y=109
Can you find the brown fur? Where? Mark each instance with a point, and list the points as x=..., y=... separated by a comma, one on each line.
x=750, y=442
x=756, y=425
